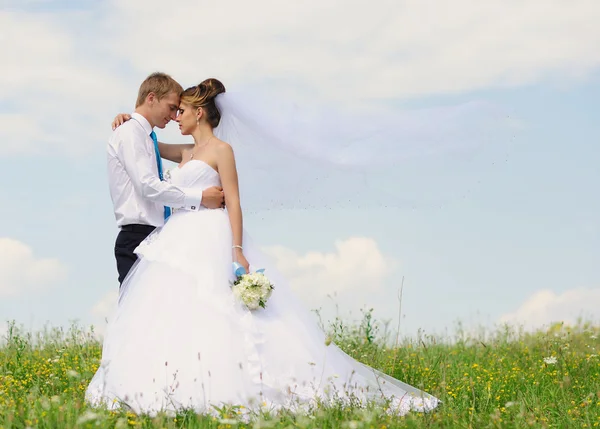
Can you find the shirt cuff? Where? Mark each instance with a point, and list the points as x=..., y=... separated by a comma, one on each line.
x=193, y=199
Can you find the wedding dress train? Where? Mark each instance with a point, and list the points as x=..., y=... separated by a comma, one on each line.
x=179, y=340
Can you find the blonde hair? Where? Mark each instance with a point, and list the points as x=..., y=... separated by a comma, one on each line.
x=161, y=84
x=203, y=96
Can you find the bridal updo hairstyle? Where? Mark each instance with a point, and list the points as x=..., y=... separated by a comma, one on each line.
x=203, y=96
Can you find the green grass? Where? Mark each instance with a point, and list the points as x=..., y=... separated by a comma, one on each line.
x=497, y=381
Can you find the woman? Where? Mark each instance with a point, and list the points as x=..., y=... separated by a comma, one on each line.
x=180, y=340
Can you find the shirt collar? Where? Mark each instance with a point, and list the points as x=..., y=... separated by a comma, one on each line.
x=143, y=122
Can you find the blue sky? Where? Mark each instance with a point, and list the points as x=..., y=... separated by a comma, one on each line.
x=517, y=242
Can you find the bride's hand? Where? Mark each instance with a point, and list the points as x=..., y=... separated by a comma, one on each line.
x=241, y=259
x=120, y=119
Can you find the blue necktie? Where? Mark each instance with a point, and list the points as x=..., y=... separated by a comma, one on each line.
x=159, y=164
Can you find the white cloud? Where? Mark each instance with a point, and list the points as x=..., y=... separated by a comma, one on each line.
x=102, y=310
x=57, y=86
x=66, y=73
x=360, y=49
x=353, y=274
x=546, y=307
x=20, y=135
x=21, y=271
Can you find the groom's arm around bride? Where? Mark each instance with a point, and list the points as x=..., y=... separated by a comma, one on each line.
x=141, y=198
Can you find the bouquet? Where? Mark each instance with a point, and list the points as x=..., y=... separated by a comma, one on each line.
x=253, y=289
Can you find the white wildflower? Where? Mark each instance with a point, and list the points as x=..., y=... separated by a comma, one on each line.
x=261, y=424
x=352, y=424
x=45, y=404
x=550, y=360
x=88, y=416
x=72, y=374
x=122, y=423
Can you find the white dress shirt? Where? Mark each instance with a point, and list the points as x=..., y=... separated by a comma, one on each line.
x=137, y=193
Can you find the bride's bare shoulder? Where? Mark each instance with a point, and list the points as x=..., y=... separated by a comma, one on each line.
x=222, y=146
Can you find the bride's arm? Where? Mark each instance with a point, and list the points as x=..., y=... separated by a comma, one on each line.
x=172, y=152
x=229, y=180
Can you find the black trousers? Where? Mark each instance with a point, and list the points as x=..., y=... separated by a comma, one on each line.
x=128, y=239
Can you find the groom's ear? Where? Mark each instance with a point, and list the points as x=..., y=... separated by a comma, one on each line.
x=150, y=98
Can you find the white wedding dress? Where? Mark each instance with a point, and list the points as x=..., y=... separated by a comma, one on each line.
x=179, y=340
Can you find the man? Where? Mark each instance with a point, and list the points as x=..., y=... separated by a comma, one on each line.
x=141, y=199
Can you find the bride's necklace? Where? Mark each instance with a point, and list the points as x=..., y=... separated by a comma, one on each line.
x=192, y=154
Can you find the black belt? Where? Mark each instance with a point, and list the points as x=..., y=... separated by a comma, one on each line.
x=138, y=227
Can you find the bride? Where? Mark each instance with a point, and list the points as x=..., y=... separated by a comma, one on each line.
x=180, y=340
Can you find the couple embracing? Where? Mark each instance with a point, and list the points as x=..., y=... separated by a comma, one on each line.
x=179, y=339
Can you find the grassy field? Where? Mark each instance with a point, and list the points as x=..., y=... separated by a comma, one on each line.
x=503, y=379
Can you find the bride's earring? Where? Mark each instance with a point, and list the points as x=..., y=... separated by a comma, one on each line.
x=198, y=120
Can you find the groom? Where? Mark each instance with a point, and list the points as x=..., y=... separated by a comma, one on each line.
x=141, y=199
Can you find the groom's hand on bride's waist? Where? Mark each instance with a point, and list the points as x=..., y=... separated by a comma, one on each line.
x=213, y=198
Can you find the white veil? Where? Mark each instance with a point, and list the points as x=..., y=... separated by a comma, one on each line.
x=296, y=155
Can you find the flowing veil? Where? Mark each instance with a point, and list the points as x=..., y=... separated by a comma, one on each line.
x=304, y=155
x=290, y=155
